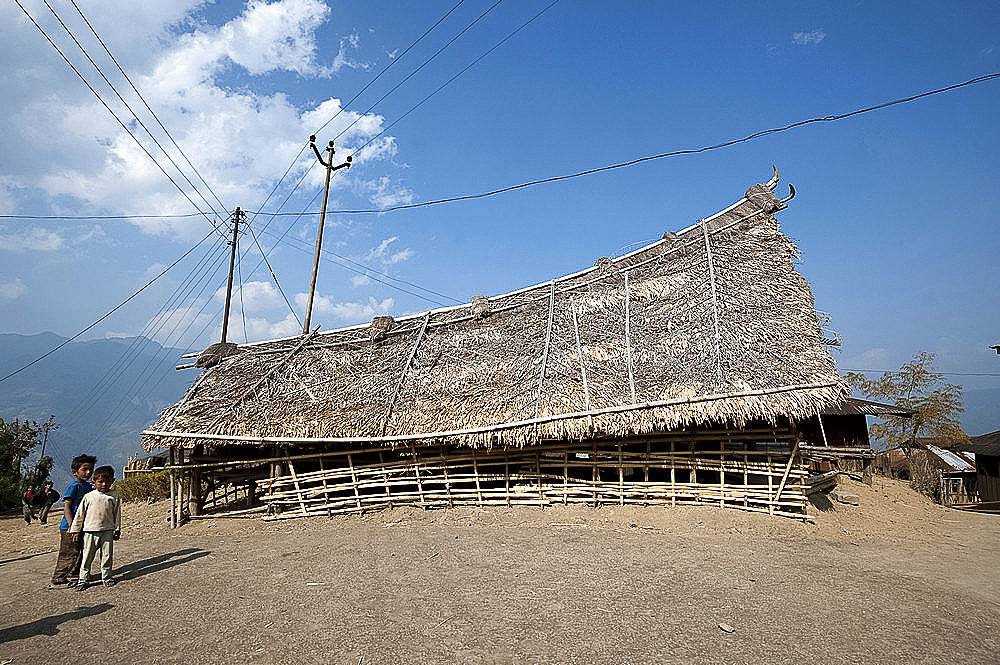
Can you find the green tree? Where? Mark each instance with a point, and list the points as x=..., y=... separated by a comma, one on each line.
x=17, y=439
x=918, y=386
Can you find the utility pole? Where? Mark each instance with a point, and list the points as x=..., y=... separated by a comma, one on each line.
x=237, y=216
x=330, y=168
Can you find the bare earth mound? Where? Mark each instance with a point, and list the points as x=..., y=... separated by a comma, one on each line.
x=896, y=579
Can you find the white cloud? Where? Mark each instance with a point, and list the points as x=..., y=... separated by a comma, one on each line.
x=361, y=280
x=813, y=37
x=260, y=329
x=384, y=193
x=877, y=358
x=30, y=240
x=400, y=256
x=155, y=270
x=254, y=297
x=11, y=290
x=345, y=312
x=380, y=251
x=239, y=137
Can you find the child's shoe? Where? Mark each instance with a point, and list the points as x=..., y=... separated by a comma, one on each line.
x=108, y=582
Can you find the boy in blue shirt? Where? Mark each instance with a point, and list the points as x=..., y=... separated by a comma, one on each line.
x=70, y=551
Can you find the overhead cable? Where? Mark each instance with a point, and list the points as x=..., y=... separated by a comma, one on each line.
x=675, y=153
x=113, y=114
x=112, y=311
x=148, y=108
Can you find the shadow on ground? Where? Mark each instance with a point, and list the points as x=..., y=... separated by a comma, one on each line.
x=49, y=625
x=26, y=557
x=159, y=562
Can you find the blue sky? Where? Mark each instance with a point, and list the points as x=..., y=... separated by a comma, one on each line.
x=895, y=217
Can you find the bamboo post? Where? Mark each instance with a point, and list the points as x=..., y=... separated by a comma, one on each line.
x=354, y=481
x=194, y=495
x=793, y=453
x=722, y=473
x=173, y=501
x=444, y=471
x=538, y=475
x=673, y=473
x=298, y=489
x=475, y=474
x=385, y=478
x=770, y=484
x=565, y=478
x=595, y=474
x=746, y=478
x=621, y=476
x=326, y=489
x=416, y=474
x=506, y=475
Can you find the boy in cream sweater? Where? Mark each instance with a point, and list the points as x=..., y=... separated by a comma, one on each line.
x=98, y=521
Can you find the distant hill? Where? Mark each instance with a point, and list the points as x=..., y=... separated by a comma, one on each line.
x=982, y=411
x=103, y=393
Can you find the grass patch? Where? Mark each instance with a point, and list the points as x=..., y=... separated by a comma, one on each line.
x=144, y=487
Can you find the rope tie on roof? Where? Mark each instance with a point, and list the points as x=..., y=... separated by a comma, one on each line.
x=380, y=327
x=715, y=303
x=480, y=307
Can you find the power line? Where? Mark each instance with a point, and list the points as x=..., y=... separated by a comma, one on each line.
x=356, y=95
x=675, y=153
x=424, y=64
x=151, y=112
x=891, y=371
x=112, y=311
x=127, y=106
x=462, y=71
x=113, y=114
x=100, y=217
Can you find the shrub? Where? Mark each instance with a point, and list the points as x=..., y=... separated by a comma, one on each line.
x=144, y=487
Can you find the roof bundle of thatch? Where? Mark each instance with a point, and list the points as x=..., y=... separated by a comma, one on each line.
x=709, y=325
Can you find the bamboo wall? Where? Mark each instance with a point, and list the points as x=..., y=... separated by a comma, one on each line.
x=759, y=472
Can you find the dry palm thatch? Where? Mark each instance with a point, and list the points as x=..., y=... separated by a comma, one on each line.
x=712, y=324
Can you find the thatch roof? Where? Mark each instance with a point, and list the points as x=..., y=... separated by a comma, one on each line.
x=708, y=325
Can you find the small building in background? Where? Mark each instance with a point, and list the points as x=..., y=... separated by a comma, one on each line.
x=987, y=454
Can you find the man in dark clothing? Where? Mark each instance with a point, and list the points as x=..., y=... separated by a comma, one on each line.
x=48, y=497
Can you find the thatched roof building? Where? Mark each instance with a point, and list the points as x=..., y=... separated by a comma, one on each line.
x=711, y=324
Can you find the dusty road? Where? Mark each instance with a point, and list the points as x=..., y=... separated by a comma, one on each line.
x=894, y=580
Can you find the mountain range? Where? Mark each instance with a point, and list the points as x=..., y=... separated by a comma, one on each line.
x=103, y=393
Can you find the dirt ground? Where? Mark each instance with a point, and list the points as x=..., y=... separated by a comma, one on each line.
x=896, y=579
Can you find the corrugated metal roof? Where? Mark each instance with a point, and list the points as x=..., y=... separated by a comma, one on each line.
x=955, y=461
x=861, y=407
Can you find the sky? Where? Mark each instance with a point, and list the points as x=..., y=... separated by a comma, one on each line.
x=895, y=213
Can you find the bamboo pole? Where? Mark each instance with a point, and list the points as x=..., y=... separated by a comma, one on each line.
x=583, y=367
x=545, y=350
x=402, y=374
